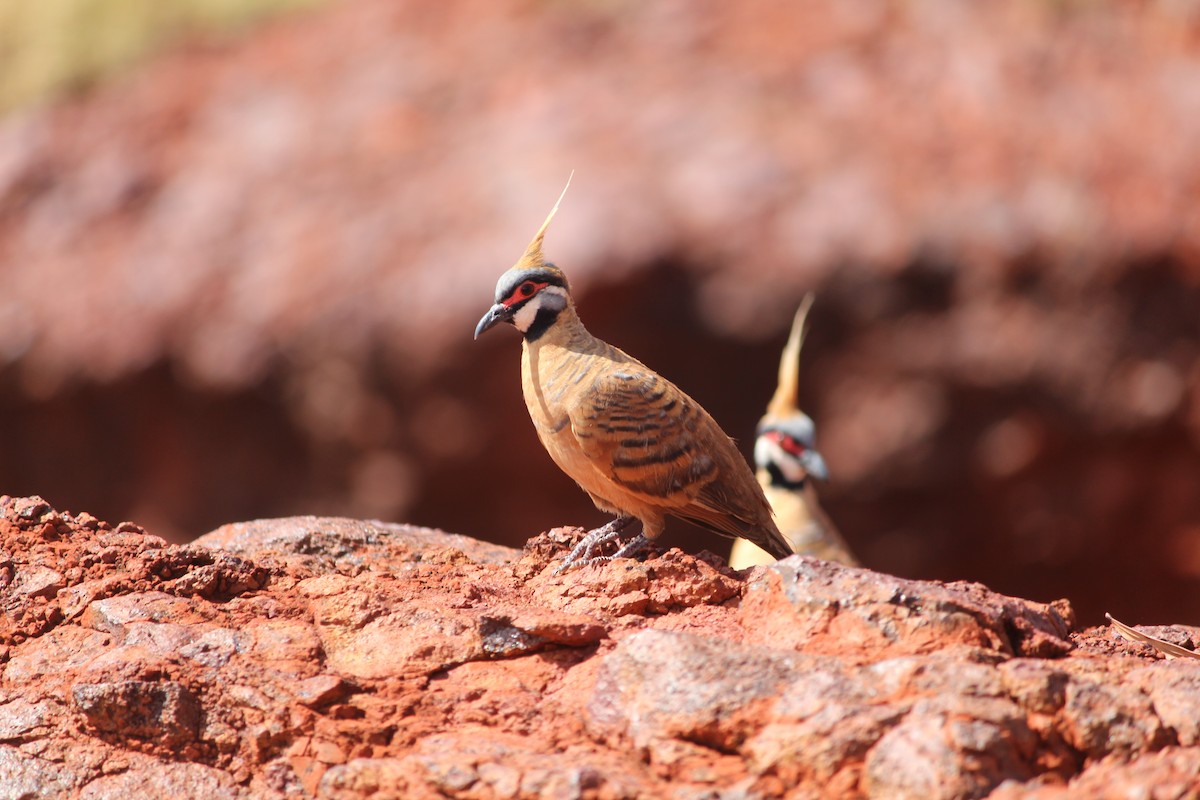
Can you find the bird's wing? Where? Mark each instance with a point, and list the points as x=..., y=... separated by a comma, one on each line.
x=661, y=447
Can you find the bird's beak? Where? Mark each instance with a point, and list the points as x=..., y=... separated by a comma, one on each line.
x=814, y=464
x=494, y=316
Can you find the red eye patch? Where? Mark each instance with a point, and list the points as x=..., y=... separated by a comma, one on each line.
x=786, y=443
x=524, y=291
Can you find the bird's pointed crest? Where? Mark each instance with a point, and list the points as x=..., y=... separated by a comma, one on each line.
x=786, y=400
x=533, y=253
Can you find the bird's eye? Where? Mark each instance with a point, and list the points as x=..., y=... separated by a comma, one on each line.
x=526, y=288
x=788, y=443
x=793, y=446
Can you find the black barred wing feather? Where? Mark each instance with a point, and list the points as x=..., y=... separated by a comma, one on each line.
x=660, y=446
x=644, y=433
x=739, y=512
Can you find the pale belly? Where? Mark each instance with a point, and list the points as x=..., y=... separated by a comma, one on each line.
x=550, y=383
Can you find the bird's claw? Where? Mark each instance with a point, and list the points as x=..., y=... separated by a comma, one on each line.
x=634, y=546
x=581, y=553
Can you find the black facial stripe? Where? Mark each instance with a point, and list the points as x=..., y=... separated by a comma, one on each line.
x=515, y=307
x=780, y=480
x=541, y=323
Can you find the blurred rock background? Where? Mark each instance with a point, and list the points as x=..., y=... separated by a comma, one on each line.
x=242, y=253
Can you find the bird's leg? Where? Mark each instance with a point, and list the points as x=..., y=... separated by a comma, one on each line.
x=582, y=553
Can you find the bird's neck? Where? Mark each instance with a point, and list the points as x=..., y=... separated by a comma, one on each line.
x=561, y=326
x=543, y=366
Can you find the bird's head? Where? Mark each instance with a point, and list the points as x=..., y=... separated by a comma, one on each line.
x=786, y=443
x=786, y=447
x=529, y=298
x=532, y=294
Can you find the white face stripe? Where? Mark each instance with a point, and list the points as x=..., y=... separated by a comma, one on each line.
x=526, y=313
x=767, y=452
x=551, y=296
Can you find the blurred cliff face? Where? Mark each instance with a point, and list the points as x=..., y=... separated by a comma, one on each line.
x=240, y=279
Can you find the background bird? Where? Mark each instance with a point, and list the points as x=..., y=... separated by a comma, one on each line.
x=786, y=455
x=641, y=448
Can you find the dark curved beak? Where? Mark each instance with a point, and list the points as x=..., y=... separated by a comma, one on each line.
x=494, y=316
x=814, y=465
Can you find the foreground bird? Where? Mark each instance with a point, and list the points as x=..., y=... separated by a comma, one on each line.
x=641, y=448
x=786, y=455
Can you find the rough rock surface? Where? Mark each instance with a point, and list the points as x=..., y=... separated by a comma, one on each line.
x=279, y=244
x=331, y=658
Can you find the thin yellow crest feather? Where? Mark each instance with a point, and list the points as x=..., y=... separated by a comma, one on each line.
x=533, y=253
x=786, y=400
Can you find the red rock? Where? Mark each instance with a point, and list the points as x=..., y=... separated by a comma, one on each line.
x=1170, y=774
x=25, y=774
x=375, y=663
x=345, y=541
x=38, y=582
x=818, y=605
x=321, y=690
x=951, y=748
x=1099, y=719
x=486, y=765
x=658, y=685
x=673, y=582
x=1004, y=358
x=1174, y=692
x=184, y=781
x=61, y=650
x=165, y=712
x=21, y=719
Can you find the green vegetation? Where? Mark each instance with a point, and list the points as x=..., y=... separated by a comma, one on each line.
x=47, y=46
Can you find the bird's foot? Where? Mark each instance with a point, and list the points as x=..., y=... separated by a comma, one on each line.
x=628, y=550
x=581, y=554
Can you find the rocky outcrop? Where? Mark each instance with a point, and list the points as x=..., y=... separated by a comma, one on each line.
x=280, y=242
x=319, y=657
